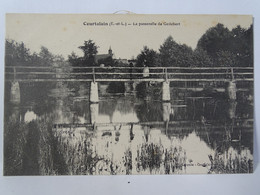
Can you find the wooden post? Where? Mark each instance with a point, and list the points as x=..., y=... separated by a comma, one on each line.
x=232, y=74
x=93, y=72
x=166, y=75
x=14, y=73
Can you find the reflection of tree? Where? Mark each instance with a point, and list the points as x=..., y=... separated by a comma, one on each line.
x=244, y=110
x=178, y=132
x=124, y=105
x=211, y=108
x=230, y=134
x=179, y=113
x=107, y=108
x=148, y=90
x=81, y=108
x=116, y=87
x=149, y=111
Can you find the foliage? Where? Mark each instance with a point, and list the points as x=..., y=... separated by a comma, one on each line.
x=147, y=57
x=228, y=48
x=225, y=58
x=90, y=50
x=74, y=60
x=218, y=46
x=17, y=54
x=174, y=54
x=200, y=58
x=215, y=39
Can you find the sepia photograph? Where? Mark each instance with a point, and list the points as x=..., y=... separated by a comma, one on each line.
x=134, y=94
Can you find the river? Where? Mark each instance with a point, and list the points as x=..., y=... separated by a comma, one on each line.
x=61, y=133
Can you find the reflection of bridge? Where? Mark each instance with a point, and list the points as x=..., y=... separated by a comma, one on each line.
x=195, y=76
x=170, y=128
x=182, y=124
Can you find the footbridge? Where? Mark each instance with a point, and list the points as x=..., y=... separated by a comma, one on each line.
x=186, y=77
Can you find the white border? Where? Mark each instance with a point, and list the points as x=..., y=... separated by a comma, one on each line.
x=174, y=184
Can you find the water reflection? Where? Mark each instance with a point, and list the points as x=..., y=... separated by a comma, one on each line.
x=124, y=135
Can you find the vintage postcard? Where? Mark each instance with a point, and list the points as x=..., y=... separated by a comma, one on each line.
x=109, y=94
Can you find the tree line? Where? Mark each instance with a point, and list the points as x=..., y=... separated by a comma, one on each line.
x=17, y=54
x=218, y=46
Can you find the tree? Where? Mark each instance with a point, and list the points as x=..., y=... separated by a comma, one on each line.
x=242, y=45
x=225, y=58
x=74, y=60
x=173, y=54
x=147, y=57
x=90, y=50
x=215, y=39
x=230, y=48
x=46, y=57
x=200, y=58
x=16, y=54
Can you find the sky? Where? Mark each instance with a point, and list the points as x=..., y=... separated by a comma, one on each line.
x=62, y=34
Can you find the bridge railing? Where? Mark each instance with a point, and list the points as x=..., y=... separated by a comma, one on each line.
x=179, y=74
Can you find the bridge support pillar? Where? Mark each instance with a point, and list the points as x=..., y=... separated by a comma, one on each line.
x=231, y=90
x=166, y=111
x=232, y=109
x=93, y=113
x=15, y=96
x=166, y=91
x=94, y=92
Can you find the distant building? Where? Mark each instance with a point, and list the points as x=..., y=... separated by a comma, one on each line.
x=102, y=57
x=108, y=60
x=132, y=62
x=121, y=61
